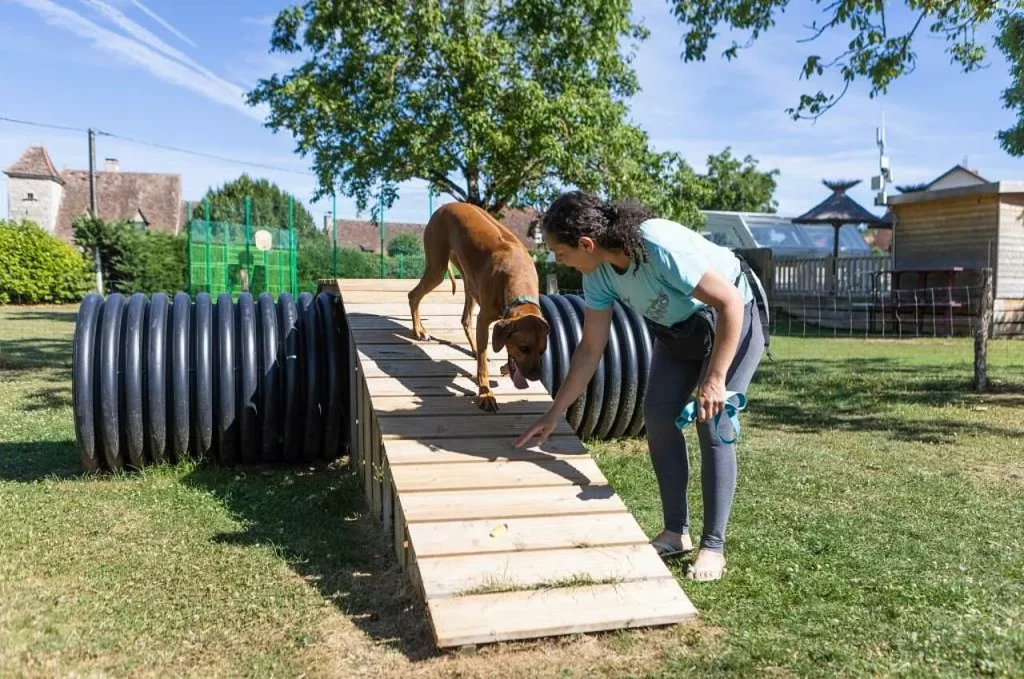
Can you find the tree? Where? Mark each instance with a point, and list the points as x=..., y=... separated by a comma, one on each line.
x=405, y=244
x=739, y=186
x=491, y=102
x=133, y=259
x=881, y=49
x=268, y=206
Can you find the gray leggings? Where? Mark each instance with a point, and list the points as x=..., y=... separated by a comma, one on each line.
x=672, y=384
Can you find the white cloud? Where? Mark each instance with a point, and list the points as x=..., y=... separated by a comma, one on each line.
x=267, y=20
x=160, y=20
x=181, y=74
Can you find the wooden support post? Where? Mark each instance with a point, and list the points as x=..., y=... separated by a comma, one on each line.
x=551, y=287
x=982, y=332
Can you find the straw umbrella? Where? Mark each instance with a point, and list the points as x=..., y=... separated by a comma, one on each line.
x=837, y=211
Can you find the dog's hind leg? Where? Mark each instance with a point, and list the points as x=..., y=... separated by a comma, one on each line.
x=467, y=321
x=436, y=264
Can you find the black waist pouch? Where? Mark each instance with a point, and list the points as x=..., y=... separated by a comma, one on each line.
x=692, y=339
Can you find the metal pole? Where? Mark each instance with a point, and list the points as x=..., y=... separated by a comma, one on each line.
x=248, y=234
x=92, y=207
x=381, y=237
x=334, y=230
x=292, y=263
x=209, y=266
x=188, y=236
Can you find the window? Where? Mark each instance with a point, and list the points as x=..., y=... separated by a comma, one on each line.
x=31, y=197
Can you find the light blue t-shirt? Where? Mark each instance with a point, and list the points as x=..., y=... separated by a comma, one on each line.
x=661, y=290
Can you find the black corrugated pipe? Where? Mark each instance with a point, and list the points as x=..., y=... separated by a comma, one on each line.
x=160, y=379
x=251, y=381
x=612, y=404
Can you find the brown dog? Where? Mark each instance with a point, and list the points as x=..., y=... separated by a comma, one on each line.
x=500, y=277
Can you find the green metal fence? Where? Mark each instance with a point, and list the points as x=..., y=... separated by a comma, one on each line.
x=220, y=253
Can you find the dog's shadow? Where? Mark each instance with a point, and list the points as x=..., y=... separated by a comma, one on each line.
x=394, y=333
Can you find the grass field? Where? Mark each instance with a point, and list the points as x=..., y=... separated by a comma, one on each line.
x=877, y=530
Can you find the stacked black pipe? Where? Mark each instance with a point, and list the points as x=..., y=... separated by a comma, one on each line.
x=612, y=404
x=165, y=379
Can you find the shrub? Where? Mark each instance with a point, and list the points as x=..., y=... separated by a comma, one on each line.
x=36, y=267
x=134, y=260
x=405, y=244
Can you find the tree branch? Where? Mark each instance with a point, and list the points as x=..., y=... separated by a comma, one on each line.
x=440, y=179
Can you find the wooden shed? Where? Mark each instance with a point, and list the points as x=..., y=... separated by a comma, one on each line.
x=947, y=231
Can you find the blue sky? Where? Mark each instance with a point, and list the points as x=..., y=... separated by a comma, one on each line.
x=174, y=72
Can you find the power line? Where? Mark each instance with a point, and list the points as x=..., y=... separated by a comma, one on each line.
x=202, y=155
x=141, y=142
x=53, y=127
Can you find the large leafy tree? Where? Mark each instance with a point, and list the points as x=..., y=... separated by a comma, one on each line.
x=879, y=42
x=268, y=205
x=738, y=185
x=490, y=101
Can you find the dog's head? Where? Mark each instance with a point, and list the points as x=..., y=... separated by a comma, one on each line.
x=525, y=339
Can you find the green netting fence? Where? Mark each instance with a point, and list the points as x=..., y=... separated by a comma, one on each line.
x=220, y=254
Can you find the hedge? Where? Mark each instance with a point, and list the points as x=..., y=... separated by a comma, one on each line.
x=37, y=268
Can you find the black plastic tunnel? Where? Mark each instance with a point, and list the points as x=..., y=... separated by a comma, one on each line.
x=159, y=379
x=612, y=404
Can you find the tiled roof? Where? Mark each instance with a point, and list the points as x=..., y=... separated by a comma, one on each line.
x=123, y=196
x=34, y=163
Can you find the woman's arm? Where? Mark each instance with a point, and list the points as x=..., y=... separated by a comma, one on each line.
x=716, y=291
x=588, y=354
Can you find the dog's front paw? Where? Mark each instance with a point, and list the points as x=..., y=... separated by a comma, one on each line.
x=488, y=403
x=420, y=334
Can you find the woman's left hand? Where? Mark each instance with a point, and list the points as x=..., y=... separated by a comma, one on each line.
x=710, y=398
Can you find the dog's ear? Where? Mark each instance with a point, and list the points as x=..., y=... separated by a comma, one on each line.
x=537, y=323
x=500, y=333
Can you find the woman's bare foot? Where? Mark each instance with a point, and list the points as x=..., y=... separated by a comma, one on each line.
x=707, y=566
x=672, y=544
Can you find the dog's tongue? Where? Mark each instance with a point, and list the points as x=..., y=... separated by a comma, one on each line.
x=517, y=377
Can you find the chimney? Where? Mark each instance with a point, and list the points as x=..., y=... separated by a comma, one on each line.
x=111, y=165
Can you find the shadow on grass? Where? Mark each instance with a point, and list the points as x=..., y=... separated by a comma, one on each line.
x=317, y=519
x=55, y=316
x=35, y=354
x=27, y=461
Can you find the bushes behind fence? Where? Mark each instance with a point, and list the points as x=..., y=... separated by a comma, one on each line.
x=37, y=268
x=134, y=259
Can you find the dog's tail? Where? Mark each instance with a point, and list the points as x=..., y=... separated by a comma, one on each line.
x=451, y=275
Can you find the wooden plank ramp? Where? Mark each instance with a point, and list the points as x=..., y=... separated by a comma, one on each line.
x=501, y=543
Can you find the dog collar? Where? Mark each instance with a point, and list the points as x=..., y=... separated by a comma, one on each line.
x=522, y=299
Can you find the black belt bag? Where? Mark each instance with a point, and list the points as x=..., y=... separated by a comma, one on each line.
x=692, y=339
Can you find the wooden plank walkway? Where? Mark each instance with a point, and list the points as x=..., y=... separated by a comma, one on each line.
x=501, y=543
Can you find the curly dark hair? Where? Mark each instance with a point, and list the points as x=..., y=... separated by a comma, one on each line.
x=612, y=225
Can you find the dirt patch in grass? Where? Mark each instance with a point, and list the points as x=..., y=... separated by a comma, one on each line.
x=346, y=652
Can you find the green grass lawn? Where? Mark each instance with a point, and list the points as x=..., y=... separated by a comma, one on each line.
x=878, y=529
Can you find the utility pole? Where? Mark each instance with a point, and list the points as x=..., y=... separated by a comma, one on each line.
x=92, y=207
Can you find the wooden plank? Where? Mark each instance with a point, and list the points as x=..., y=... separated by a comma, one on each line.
x=400, y=534
x=424, y=351
x=461, y=505
x=435, y=427
x=401, y=335
x=450, y=538
x=441, y=295
x=367, y=410
x=388, y=494
x=359, y=321
x=410, y=478
x=434, y=386
x=462, y=406
x=510, y=571
x=377, y=474
x=402, y=310
x=389, y=367
x=485, y=449
x=459, y=621
x=388, y=284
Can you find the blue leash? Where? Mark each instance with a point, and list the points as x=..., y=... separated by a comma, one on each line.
x=689, y=414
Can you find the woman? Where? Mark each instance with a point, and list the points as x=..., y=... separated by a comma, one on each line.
x=708, y=336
